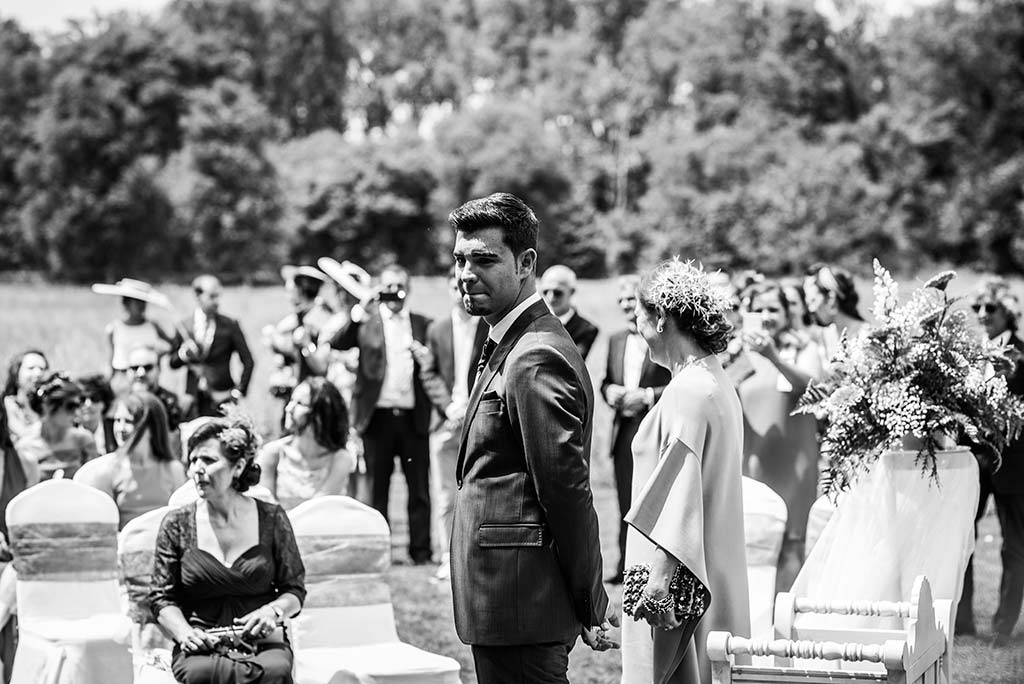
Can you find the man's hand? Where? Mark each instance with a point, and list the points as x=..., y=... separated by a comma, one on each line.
x=188, y=352
x=633, y=402
x=421, y=352
x=598, y=637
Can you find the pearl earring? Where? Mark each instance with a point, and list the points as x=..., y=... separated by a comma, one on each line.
x=661, y=327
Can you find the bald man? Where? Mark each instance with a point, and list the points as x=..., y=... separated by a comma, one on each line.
x=212, y=340
x=557, y=286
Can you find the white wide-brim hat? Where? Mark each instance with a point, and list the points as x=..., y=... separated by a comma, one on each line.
x=356, y=281
x=133, y=289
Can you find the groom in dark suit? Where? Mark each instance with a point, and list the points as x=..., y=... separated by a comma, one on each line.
x=390, y=409
x=631, y=385
x=205, y=343
x=526, y=555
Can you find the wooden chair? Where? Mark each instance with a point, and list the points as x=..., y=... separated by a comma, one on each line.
x=764, y=526
x=916, y=654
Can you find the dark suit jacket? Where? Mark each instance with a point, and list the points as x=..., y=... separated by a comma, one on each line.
x=526, y=556
x=1009, y=479
x=440, y=378
x=651, y=375
x=368, y=336
x=216, y=362
x=582, y=332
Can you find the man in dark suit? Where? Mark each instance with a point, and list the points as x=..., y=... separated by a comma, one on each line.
x=557, y=286
x=631, y=385
x=997, y=311
x=449, y=361
x=390, y=409
x=526, y=555
x=205, y=343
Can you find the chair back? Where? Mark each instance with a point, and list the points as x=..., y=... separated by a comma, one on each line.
x=764, y=525
x=821, y=512
x=64, y=541
x=136, y=548
x=346, y=548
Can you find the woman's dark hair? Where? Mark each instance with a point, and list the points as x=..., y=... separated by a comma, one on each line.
x=795, y=286
x=14, y=367
x=308, y=287
x=519, y=225
x=685, y=294
x=328, y=414
x=838, y=282
x=97, y=388
x=53, y=391
x=238, y=441
x=150, y=418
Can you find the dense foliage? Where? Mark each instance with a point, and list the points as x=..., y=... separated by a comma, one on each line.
x=231, y=134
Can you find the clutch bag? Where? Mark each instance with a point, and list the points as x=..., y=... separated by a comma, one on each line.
x=689, y=595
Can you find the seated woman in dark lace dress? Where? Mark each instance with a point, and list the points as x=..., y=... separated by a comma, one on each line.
x=227, y=560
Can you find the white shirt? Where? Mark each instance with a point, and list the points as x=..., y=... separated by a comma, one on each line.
x=499, y=329
x=567, y=316
x=463, y=334
x=633, y=361
x=203, y=328
x=397, y=390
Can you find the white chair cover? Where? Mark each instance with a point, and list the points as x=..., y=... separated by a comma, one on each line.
x=820, y=513
x=346, y=631
x=894, y=524
x=764, y=524
x=72, y=627
x=136, y=546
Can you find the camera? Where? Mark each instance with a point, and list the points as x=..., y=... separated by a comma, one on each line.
x=392, y=295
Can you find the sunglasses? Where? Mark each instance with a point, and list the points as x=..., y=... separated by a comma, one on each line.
x=987, y=308
x=72, y=405
x=146, y=367
x=766, y=309
x=553, y=293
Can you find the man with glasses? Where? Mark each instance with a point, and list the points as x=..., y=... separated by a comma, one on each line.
x=632, y=383
x=144, y=373
x=557, y=286
x=205, y=343
x=997, y=311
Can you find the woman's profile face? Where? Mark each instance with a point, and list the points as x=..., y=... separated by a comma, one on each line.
x=32, y=369
x=647, y=326
x=797, y=310
x=297, y=410
x=124, y=423
x=209, y=470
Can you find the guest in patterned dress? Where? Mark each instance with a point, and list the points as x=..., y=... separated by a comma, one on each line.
x=229, y=561
x=311, y=460
x=143, y=472
x=55, y=443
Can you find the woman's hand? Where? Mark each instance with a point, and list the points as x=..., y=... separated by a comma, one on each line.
x=195, y=640
x=648, y=608
x=760, y=342
x=259, y=623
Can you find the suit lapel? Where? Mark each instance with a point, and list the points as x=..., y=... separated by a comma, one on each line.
x=497, y=358
x=478, y=344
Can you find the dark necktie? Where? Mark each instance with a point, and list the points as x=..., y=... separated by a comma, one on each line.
x=485, y=355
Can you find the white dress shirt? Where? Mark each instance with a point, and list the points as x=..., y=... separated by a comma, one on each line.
x=499, y=329
x=397, y=390
x=203, y=328
x=633, y=361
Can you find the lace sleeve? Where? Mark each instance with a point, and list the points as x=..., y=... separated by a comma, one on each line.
x=290, y=573
x=166, y=585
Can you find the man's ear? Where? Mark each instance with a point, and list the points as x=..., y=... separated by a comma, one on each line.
x=527, y=262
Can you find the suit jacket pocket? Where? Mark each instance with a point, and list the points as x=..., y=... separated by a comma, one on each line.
x=499, y=535
x=489, y=406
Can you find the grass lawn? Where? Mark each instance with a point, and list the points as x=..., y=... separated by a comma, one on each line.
x=67, y=323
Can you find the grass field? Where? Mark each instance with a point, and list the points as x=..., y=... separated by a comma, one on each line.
x=67, y=323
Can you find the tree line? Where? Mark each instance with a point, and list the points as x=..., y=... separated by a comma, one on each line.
x=235, y=135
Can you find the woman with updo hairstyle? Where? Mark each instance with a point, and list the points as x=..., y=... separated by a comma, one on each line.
x=831, y=296
x=56, y=444
x=686, y=519
x=227, y=561
x=142, y=473
x=311, y=460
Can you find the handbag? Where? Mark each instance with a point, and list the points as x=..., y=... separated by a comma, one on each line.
x=689, y=595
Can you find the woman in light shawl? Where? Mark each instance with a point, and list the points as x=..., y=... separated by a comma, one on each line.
x=687, y=488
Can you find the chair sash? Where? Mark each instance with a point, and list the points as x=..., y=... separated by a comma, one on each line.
x=66, y=551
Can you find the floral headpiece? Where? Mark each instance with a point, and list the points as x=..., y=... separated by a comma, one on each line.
x=678, y=285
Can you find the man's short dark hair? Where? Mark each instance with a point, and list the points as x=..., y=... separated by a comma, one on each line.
x=518, y=223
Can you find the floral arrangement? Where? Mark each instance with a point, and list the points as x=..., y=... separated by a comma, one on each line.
x=925, y=372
